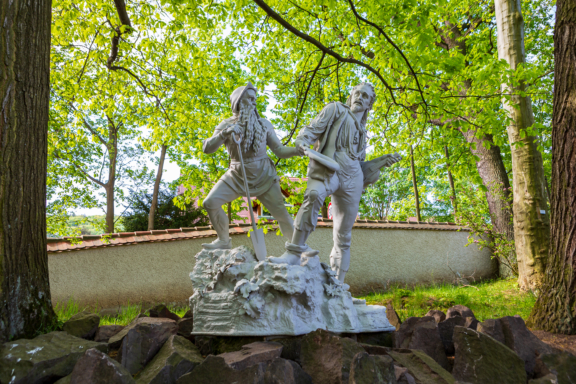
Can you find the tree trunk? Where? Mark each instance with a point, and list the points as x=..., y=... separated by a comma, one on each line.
x=416, y=199
x=531, y=215
x=156, y=189
x=494, y=177
x=555, y=309
x=451, y=181
x=25, y=305
x=324, y=210
x=112, y=155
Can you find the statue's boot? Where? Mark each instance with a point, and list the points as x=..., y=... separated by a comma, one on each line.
x=295, y=249
x=218, y=244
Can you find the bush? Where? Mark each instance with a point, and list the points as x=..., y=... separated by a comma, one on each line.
x=167, y=214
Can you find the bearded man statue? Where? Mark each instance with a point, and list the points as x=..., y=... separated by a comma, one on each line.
x=263, y=182
x=339, y=133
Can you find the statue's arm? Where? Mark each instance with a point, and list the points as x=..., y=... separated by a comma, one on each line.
x=212, y=144
x=276, y=145
x=311, y=132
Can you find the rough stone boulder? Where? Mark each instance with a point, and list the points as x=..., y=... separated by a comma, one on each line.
x=177, y=357
x=327, y=357
x=548, y=379
x=366, y=369
x=480, y=359
x=526, y=345
x=83, y=324
x=215, y=345
x=459, y=310
x=161, y=311
x=105, y=332
x=421, y=367
x=291, y=346
x=185, y=327
x=215, y=370
x=188, y=315
x=439, y=316
x=492, y=328
x=471, y=323
x=393, y=317
x=446, y=330
x=383, y=339
x=95, y=367
x=422, y=333
x=116, y=341
x=143, y=341
x=559, y=366
x=252, y=354
x=45, y=358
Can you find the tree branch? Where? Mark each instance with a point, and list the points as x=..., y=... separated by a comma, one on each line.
x=270, y=12
x=122, y=13
x=391, y=43
x=89, y=127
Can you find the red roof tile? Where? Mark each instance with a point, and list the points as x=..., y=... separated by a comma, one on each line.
x=57, y=245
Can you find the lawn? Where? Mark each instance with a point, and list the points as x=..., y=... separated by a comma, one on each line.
x=488, y=299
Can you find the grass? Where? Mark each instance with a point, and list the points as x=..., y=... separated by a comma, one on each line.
x=123, y=316
x=488, y=299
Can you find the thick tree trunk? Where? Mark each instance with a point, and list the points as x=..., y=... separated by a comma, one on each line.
x=25, y=306
x=531, y=215
x=555, y=309
x=415, y=185
x=156, y=189
x=494, y=177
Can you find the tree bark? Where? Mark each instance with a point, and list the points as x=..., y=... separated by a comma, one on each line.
x=156, y=189
x=415, y=184
x=531, y=214
x=555, y=309
x=25, y=306
x=451, y=181
x=490, y=166
x=112, y=156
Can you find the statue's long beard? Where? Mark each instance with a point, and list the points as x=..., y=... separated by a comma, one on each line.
x=254, y=131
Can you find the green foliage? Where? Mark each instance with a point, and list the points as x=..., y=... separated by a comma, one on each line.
x=474, y=215
x=487, y=299
x=167, y=214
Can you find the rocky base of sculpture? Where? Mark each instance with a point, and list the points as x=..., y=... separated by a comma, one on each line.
x=236, y=295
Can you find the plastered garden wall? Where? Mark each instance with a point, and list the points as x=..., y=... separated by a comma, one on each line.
x=153, y=271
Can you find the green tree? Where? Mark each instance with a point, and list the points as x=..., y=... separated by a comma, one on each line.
x=168, y=215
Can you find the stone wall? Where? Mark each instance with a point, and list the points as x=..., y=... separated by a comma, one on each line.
x=158, y=271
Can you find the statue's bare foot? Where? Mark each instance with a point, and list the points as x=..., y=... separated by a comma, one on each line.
x=286, y=258
x=218, y=244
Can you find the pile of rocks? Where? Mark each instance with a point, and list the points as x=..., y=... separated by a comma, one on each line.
x=437, y=348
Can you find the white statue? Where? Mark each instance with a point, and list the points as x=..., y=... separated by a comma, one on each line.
x=338, y=133
x=261, y=177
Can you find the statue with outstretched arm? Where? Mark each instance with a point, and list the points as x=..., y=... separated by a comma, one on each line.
x=338, y=134
x=257, y=133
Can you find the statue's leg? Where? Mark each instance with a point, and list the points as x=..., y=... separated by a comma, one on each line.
x=305, y=223
x=219, y=195
x=274, y=202
x=345, y=204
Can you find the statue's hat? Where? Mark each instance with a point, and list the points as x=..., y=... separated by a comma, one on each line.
x=237, y=95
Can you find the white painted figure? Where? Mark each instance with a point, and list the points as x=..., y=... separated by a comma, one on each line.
x=263, y=182
x=338, y=133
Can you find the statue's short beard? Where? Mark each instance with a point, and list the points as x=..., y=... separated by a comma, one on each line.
x=254, y=131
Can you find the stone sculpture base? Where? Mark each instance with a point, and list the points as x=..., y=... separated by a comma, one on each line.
x=235, y=295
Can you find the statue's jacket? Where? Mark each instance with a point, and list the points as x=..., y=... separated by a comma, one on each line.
x=335, y=129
